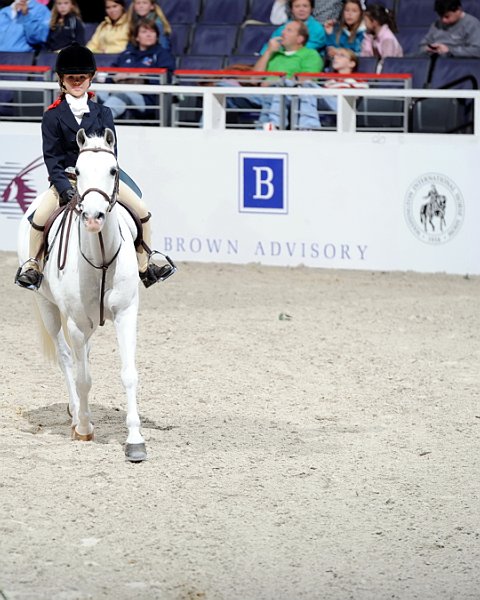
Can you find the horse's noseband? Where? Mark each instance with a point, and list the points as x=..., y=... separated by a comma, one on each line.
x=110, y=199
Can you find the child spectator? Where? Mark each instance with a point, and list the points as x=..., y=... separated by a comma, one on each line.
x=141, y=10
x=323, y=11
x=144, y=52
x=301, y=10
x=455, y=33
x=380, y=40
x=66, y=26
x=23, y=26
x=349, y=31
x=111, y=36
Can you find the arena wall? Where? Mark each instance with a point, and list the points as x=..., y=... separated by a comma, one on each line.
x=321, y=199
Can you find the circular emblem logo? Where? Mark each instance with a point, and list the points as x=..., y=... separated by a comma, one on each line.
x=434, y=208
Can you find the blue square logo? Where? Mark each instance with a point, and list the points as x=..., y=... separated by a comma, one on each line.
x=263, y=183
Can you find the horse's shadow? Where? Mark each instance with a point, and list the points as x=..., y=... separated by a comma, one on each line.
x=109, y=422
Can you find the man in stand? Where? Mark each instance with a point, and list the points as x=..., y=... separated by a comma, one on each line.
x=455, y=33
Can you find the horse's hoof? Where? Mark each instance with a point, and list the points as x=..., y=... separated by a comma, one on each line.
x=135, y=452
x=79, y=437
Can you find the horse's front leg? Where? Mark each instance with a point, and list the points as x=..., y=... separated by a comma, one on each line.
x=82, y=428
x=126, y=327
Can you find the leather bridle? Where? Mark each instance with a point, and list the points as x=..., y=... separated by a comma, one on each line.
x=110, y=199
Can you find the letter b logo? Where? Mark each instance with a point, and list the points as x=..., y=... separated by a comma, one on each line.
x=263, y=183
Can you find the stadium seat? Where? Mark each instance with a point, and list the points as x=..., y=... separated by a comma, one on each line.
x=410, y=38
x=181, y=11
x=241, y=59
x=448, y=115
x=472, y=7
x=180, y=38
x=415, y=13
x=222, y=12
x=209, y=63
x=260, y=10
x=89, y=30
x=460, y=73
x=216, y=40
x=367, y=64
x=8, y=97
x=417, y=66
x=253, y=37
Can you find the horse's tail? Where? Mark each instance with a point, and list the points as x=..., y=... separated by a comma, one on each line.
x=47, y=345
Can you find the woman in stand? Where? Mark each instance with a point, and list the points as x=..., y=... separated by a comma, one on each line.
x=141, y=10
x=301, y=10
x=73, y=110
x=66, y=26
x=111, y=36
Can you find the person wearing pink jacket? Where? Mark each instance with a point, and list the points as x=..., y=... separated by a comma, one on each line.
x=380, y=40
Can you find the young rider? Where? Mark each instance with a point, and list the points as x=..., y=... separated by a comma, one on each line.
x=73, y=110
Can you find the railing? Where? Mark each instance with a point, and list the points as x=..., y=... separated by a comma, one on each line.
x=213, y=98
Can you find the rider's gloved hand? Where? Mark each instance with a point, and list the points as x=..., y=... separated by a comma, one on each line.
x=66, y=196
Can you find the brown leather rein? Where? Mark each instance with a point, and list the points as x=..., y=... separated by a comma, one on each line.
x=111, y=203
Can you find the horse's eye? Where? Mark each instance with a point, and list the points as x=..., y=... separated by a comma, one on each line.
x=113, y=171
x=77, y=172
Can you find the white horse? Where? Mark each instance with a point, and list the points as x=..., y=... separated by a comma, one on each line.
x=91, y=274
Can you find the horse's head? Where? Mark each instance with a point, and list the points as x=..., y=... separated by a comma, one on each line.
x=97, y=178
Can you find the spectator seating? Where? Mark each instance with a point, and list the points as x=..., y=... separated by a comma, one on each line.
x=197, y=62
x=224, y=12
x=180, y=38
x=367, y=64
x=417, y=66
x=410, y=38
x=472, y=7
x=216, y=40
x=181, y=11
x=9, y=98
x=241, y=59
x=260, y=10
x=439, y=115
x=463, y=73
x=415, y=13
x=90, y=30
x=252, y=38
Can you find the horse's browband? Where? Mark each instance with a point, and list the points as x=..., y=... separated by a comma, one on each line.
x=97, y=150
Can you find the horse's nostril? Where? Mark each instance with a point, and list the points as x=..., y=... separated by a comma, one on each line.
x=100, y=216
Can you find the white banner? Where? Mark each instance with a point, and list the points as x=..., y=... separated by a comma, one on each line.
x=355, y=201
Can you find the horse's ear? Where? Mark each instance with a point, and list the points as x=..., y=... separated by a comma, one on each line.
x=81, y=138
x=109, y=138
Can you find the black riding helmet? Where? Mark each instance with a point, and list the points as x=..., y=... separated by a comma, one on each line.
x=75, y=59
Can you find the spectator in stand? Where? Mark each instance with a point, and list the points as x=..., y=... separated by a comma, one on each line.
x=287, y=54
x=66, y=26
x=344, y=62
x=380, y=40
x=301, y=10
x=323, y=11
x=144, y=52
x=23, y=26
x=349, y=31
x=111, y=36
x=140, y=10
x=455, y=33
